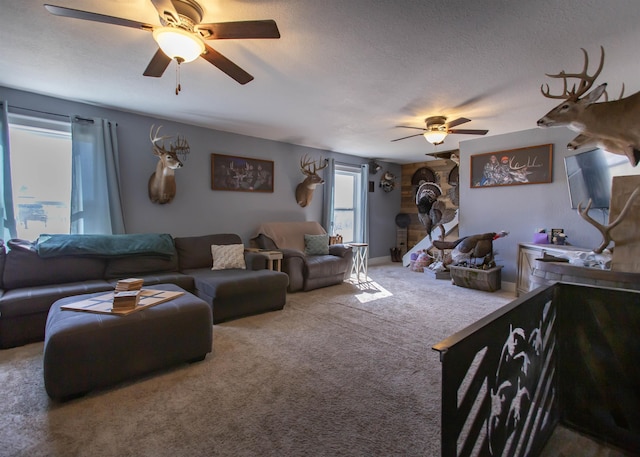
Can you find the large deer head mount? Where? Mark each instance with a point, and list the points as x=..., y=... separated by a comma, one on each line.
x=611, y=125
x=304, y=190
x=162, y=183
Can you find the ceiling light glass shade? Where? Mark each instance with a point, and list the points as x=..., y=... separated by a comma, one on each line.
x=435, y=136
x=178, y=43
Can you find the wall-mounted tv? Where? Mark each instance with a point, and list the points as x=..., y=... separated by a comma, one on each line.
x=590, y=175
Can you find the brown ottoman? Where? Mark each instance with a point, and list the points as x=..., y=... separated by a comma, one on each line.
x=85, y=351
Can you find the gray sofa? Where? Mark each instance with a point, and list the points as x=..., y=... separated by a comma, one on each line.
x=30, y=283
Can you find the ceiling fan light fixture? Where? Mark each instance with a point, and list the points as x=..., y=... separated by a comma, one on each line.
x=435, y=136
x=179, y=44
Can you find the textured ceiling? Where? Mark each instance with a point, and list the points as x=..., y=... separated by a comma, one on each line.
x=344, y=73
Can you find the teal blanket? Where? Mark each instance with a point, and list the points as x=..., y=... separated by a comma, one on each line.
x=105, y=245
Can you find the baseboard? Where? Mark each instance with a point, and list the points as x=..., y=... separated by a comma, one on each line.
x=381, y=260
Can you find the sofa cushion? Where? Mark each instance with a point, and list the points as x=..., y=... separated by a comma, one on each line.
x=24, y=268
x=228, y=256
x=195, y=251
x=319, y=266
x=316, y=244
x=123, y=267
x=38, y=299
x=237, y=284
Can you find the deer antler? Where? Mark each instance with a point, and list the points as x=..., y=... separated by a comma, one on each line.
x=585, y=84
x=154, y=137
x=181, y=147
x=605, y=229
x=606, y=95
x=306, y=163
x=528, y=165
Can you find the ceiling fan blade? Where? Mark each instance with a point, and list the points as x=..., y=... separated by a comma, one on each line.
x=237, y=30
x=407, y=127
x=224, y=64
x=405, y=137
x=468, y=132
x=166, y=10
x=87, y=16
x=159, y=63
x=460, y=120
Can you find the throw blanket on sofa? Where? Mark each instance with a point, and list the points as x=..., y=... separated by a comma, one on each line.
x=105, y=245
x=290, y=235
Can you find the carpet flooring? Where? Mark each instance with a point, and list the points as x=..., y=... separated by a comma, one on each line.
x=346, y=370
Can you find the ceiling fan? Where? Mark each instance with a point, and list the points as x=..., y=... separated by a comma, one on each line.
x=437, y=129
x=181, y=35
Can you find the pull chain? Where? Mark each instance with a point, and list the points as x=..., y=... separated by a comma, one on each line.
x=178, y=86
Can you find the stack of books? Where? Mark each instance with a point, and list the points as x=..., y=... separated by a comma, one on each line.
x=126, y=299
x=129, y=284
x=127, y=293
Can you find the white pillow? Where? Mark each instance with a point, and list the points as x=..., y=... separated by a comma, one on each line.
x=228, y=256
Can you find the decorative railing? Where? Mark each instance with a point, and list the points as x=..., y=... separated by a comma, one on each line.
x=562, y=354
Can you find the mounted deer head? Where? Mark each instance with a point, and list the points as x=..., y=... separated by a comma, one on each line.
x=612, y=125
x=162, y=183
x=304, y=190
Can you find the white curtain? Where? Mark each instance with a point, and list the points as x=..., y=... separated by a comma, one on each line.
x=7, y=215
x=96, y=206
x=364, y=202
x=328, y=196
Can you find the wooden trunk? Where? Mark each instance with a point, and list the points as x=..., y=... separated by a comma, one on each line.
x=475, y=278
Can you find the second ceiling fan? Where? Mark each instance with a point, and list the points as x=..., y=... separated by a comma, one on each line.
x=437, y=129
x=182, y=36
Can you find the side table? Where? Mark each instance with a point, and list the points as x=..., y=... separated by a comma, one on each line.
x=360, y=259
x=274, y=259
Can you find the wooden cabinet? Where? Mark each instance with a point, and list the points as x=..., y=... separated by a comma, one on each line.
x=527, y=255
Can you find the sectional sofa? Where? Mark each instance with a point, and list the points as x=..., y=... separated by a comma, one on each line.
x=33, y=275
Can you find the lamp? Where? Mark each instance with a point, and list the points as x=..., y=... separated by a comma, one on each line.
x=435, y=136
x=178, y=43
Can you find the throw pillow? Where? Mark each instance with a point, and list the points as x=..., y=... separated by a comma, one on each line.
x=316, y=244
x=228, y=256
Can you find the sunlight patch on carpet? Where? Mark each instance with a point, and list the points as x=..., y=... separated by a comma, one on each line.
x=369, y=290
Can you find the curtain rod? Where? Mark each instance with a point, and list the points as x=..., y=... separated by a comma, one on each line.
x=66, y=116
x=13, y=107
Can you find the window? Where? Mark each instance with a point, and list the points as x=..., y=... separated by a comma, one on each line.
x=41, y=175
x=346, y=204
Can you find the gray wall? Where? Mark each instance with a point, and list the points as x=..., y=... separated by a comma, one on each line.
x=521, y=209
x=198, y=210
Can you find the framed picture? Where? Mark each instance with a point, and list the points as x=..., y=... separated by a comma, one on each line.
x=531, y=165
x=241, y=174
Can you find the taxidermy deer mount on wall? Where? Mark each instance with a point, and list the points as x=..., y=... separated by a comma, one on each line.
x=611, y=125
x=304, y=190
x=162, y=183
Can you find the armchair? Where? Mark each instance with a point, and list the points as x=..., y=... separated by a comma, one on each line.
x=306, y=271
